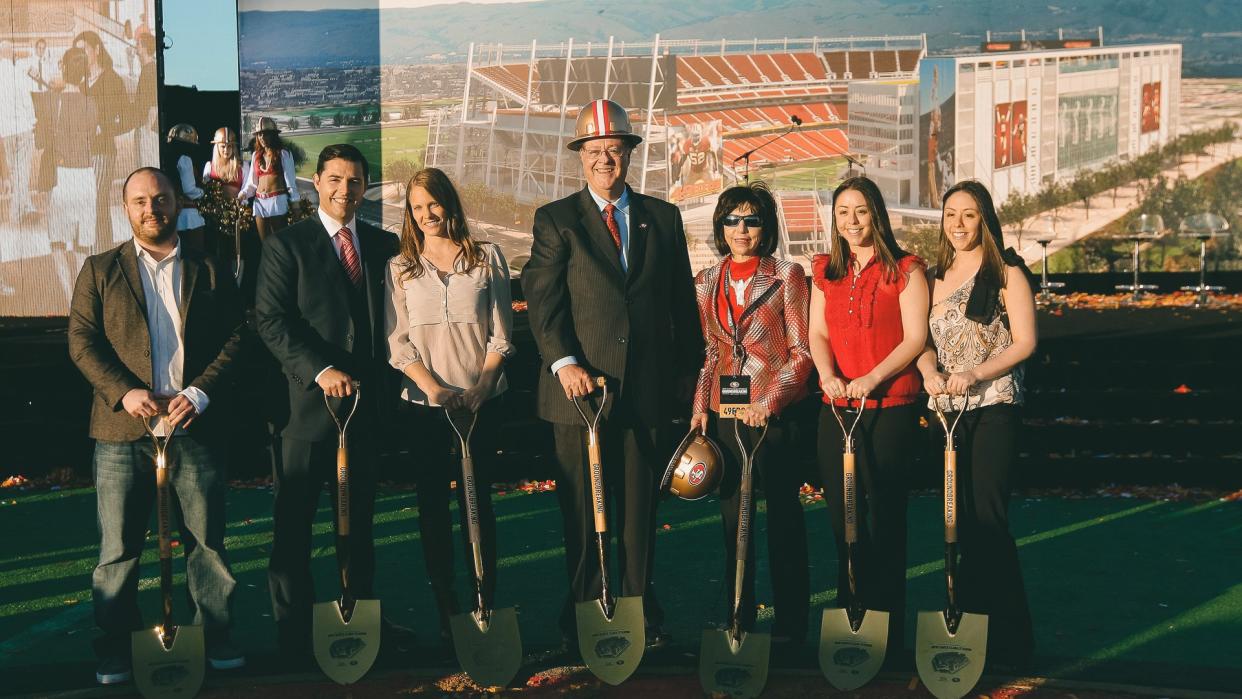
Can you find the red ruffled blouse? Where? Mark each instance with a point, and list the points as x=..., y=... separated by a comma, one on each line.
x=863, y=314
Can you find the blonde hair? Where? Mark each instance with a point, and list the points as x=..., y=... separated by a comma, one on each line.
x=225, y=169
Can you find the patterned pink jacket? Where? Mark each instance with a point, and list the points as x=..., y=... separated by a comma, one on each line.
x=773, y=331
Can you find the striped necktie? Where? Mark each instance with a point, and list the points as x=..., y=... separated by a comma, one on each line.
x=349, y=256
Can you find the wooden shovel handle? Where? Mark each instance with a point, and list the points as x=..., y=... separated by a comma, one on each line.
x=597, y=483
x=950, y=496
x=342, y=490
x=850, y=485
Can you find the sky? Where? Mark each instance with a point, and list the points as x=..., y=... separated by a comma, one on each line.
x=204, y=44
x=204, y=34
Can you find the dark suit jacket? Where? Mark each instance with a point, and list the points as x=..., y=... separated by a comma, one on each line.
x=640, y=329
x=303, y=313
x=110, y=344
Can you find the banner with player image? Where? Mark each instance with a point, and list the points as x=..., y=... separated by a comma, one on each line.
x=937, y=128
x=1009, y=134
x=1150, y=120
x=78, y=85
x=694, y=155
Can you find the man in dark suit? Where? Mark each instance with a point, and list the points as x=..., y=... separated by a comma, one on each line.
x=157, y=330
x=611, y=294
x=320, y=310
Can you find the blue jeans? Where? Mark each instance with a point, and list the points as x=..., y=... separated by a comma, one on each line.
x=125, y=499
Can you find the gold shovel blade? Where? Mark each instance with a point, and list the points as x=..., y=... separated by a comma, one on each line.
x=950, y=665
x=171, y=672
x=491, y=656
x=345, y=651
x=735, y=669
x=612, y=648
x=851, y=659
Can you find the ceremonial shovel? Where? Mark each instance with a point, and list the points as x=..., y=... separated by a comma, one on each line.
x=733, y=661
x=346, y=633
x=488, y=645
x=852, y=640
x=168, y=659
x=950, y=646
x=611, y=631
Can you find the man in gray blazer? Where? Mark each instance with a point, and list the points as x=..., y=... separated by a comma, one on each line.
x=157, y=329
x=610, y=294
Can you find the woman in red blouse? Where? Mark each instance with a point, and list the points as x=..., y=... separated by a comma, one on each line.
x=753, y=310
x=868, y=325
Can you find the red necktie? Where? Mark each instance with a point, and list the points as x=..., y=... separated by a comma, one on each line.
x=611, y=222
x=349, y=256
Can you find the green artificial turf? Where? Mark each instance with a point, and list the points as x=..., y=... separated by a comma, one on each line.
x=1122, y=590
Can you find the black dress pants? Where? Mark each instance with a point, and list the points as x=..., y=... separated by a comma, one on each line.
x=777, y=471
x=436, y=452
x=989, y=573
x=885, y=443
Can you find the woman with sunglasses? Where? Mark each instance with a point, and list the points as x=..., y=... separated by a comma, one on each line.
x=753, y=308
x=982, y=329
x=868, y=325
x=449, y=324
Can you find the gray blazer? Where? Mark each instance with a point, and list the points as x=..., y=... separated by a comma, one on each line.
x=110, y=344
x=639, y=328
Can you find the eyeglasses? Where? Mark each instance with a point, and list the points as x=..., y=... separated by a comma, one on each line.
x=752, y=220
x=614, y=152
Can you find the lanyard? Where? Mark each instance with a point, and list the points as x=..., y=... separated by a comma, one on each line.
x=739, y=352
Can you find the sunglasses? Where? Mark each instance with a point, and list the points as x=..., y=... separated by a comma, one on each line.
x=751, y=220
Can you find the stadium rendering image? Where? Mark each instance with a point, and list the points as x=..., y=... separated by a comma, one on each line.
x=1016, y=115
x=699, y=105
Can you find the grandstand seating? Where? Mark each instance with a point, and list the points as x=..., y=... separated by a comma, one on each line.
x=748, y=69
x=755, y=118
x=800, y=145
x=511, y=78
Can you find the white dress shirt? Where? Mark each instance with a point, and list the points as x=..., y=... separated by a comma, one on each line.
x=161, y=286
x=622, y=216
x=332, y=225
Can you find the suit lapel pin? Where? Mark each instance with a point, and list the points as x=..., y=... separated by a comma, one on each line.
x=642, y=225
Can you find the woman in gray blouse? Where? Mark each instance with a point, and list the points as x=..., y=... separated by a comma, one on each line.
x=449, y=323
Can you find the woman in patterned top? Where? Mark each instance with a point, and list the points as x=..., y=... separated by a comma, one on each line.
x=753, y=308
x=982, y=329
x=868, y=325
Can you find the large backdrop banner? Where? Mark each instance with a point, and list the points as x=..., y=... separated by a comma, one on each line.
x=495, y=107
x=77, y=113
